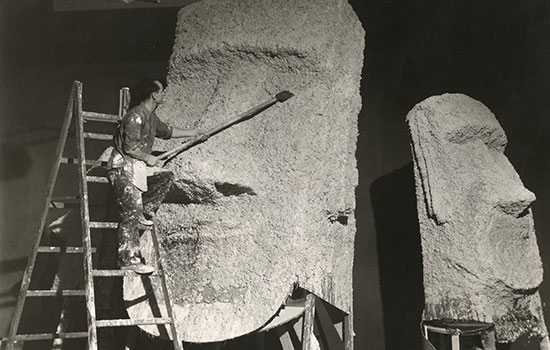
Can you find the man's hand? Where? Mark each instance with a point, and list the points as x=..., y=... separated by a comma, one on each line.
x=202, y=136
x=151, y=160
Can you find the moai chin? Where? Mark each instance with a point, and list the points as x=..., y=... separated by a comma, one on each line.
x=268, y=204
x=480, y=255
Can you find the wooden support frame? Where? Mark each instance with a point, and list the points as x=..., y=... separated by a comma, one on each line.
x=284, y=337
x=309, y=323
x=314, y=326
x=328, y=331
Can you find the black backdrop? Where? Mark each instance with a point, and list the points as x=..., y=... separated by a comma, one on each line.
x=494, y=51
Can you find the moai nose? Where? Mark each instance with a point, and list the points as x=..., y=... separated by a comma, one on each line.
x=516, y=201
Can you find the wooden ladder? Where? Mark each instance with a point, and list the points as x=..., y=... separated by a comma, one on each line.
x=74, y=113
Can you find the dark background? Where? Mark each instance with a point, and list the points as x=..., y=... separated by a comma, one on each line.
x=494, y=51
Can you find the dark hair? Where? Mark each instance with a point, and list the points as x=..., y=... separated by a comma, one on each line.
x=144, y=90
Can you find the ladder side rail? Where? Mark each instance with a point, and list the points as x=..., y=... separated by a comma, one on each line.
x=178, y=345
x=123, y=101
x=40, y=227
x=120, y=96
x=85, y=223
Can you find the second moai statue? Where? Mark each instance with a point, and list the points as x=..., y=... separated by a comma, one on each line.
x=480, y=255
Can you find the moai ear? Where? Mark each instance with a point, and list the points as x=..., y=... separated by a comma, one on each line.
x=430, y=167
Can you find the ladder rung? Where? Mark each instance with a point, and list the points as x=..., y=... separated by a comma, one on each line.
x=69, y=250
x=65, y=160
x=99, y=224
x=56, y=293
x=97, y=179
x=101, y=117
x=96, y=136
x=43, y=336
x=64, y=202
x=66, y=199
x=136, y=322
x=58, y=205
x=118, y=273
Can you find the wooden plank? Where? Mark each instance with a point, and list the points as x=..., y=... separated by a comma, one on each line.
x=327, y=330
x=101, y=117
x=46, y=336
x=348, y=332
x=132, y=322
x=97, y=163
x=56, y=293
x=97, y=136
x=298, y=327
x=309, y=323
x=85, y=222
x=284, y=337
x=119, y=273
x=97, y=179
x=178, y=344
x=40, y=227
x=455, y=342
x=104, y=224
x=68, y=250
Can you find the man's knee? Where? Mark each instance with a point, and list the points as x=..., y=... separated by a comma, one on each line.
x=167, y=176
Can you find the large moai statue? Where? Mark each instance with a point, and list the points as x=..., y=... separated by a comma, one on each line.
x=268, y=204
x=480, y=255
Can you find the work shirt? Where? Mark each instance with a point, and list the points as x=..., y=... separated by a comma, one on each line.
x=137, y=131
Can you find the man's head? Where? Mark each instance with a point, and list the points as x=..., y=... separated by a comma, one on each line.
x=150, y=89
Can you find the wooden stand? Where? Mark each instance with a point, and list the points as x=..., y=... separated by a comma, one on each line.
x=455, y=330
x=314, y=326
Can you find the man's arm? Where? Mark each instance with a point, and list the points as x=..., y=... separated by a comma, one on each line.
x=188, y=133
x=165, y=131
x=146, y=157
x=131, y=143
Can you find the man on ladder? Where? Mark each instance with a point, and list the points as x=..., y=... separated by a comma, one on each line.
x=127, y=172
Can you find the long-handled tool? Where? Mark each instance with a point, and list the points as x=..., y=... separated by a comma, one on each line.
x=280, y=97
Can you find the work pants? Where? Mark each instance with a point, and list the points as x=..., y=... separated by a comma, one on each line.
x=133, y=205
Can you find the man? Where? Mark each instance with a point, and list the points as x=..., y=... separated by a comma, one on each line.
x=128, y=172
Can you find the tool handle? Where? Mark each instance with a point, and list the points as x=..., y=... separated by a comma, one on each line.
x=280, y=97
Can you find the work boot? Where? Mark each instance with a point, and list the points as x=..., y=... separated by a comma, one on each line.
x=135, y=264
x=145, y=222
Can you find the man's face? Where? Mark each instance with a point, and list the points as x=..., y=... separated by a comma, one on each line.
x=158, y=96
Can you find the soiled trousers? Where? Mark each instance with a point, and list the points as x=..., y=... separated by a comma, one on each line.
x=134, y=204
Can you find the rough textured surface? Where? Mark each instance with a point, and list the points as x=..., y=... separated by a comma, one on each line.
x=480, y=255
x=269, y=203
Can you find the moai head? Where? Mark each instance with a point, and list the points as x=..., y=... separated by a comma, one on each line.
x=268, y=204
x=480, y=255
